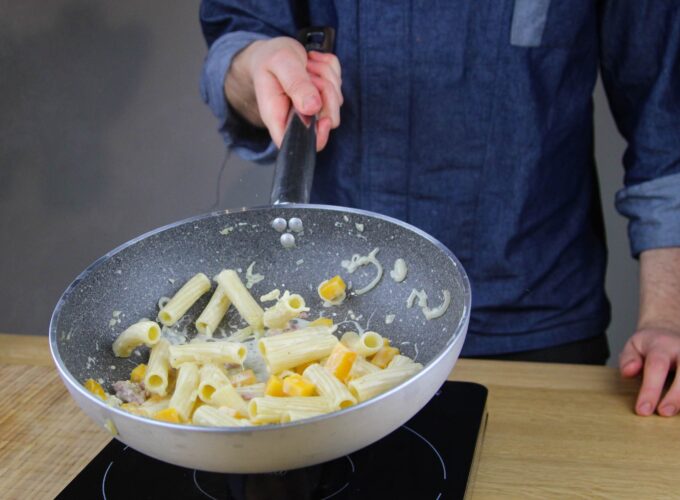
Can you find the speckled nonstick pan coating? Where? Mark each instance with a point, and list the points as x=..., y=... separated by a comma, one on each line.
x=133, y=277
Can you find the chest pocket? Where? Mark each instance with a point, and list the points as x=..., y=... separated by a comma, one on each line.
x=565, y=24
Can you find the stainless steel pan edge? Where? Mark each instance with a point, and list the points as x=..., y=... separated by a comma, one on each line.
x=268, y=448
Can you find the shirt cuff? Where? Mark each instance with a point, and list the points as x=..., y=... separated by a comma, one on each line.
x=250, y=142
x=653, y=210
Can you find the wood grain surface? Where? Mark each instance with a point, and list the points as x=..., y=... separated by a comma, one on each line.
x=554, y=431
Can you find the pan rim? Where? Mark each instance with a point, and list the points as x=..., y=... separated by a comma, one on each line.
x=461, y=327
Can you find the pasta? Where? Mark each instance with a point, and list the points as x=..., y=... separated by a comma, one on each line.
x=214, y=312
x=186, y=390
x=215, y=389
x=143, y=332
x=330, y=387
x=207, y=352
x=291, y=349
x=156, y=377
x=204, y=381
x=366, y=344
x=375, y=383
x=270, y=410
x=239, y=295
x=185, y=297
x=216, y=417
x=289, y=306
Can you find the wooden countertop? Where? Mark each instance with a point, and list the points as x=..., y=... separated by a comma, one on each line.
x=554, y=431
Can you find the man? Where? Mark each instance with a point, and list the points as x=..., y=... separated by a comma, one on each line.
x=473, y=121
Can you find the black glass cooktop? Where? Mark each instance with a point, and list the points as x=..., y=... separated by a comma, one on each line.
x=429, y=457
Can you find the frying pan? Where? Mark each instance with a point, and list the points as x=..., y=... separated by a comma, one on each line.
x=125, y=285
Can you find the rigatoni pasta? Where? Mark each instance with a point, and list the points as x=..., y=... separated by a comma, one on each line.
x=291, y=349
x=214, y=312
x=239, y=295
x=209, y=382
x=156, y=377
x=185, y=297
x=143, y=332
x=207, y=352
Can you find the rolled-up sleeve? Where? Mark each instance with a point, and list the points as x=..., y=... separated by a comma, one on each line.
x=228, y=27
x=640, y=43
x=249, y=142
x=653, y=210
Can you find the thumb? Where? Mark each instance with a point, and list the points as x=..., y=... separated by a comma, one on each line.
x=296, y=83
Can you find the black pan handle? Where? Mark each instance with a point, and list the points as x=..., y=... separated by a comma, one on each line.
x=294, y=170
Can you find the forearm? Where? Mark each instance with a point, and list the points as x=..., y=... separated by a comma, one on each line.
x=660, y=289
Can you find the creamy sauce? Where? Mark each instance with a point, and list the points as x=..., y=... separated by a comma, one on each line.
x=362, y=260
x=429, y=313
x=398, y=273
x=252, y=278
x=273, y=295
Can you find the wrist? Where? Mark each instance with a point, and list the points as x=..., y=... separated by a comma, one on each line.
x=239, y=87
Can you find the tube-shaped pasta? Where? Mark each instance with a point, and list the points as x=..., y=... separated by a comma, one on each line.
x=399, y=360
x=186, y=389
x=143, y=332
x=366, y=344
x=330, y=387
x=207, y=352
x=214, y=312
x=239, y=295
x=216, y=417
x=288, y=350
x=361, y=367
x=156, y=377
x=372, y=384
x=184, y=299
x=270, y=409
x=251, y=391
x=293, y=415
x=215, y=389
x=289, y=306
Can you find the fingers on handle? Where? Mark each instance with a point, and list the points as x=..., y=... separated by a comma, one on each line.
x=330, y=60
x=326, y=72
x=323, y=130
x=331, y=100
x=656, y=369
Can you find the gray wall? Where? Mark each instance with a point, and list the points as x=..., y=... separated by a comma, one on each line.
x=104, y=136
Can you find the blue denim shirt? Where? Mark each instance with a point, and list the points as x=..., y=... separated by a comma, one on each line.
x=473, y=120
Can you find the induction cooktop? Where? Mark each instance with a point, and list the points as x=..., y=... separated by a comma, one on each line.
x=432, y=456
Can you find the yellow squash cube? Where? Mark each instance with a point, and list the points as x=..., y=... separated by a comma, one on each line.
x=274, y=387
x=383, y=357
x=340, y=362
x=297, y=385
x=168, y=415
x=332, y=289
x=95, y=388
x=138, y=372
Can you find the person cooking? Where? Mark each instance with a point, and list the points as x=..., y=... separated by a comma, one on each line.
x=474, y=122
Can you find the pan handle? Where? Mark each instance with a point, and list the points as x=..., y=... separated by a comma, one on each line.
x=294, y=169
